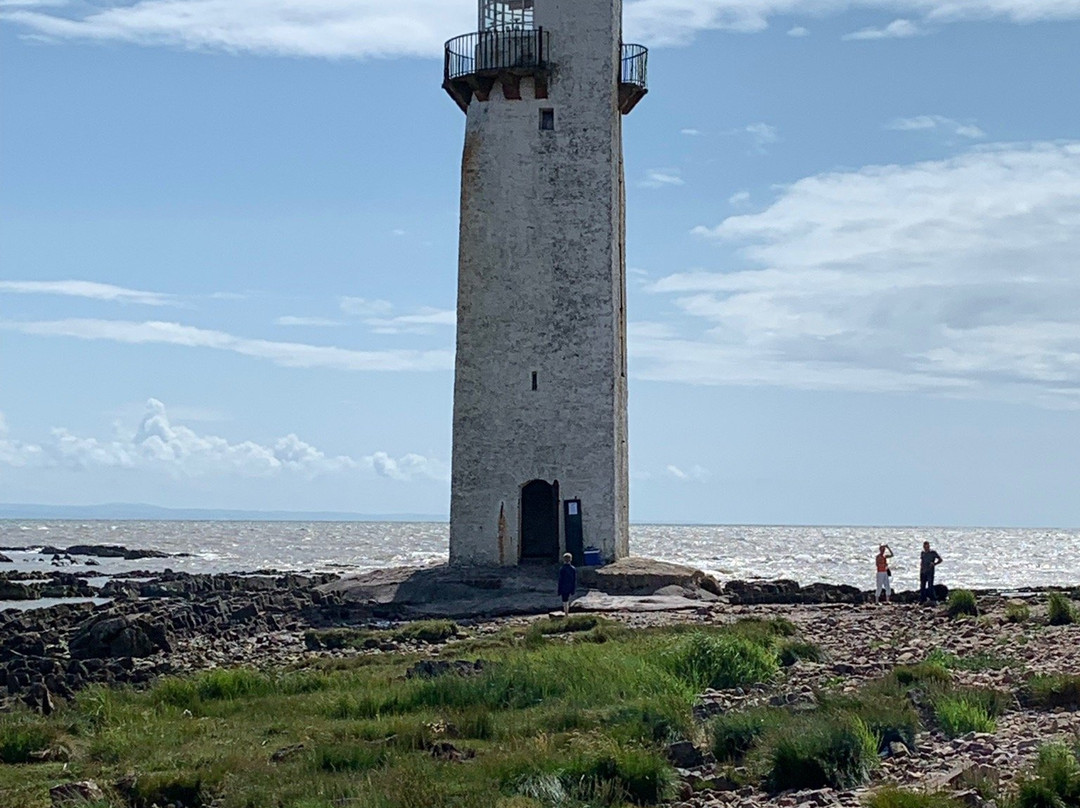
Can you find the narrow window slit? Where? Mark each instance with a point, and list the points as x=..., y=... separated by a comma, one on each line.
x=547, y=120
x=534, y=382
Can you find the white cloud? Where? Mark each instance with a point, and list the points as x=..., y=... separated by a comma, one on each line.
x=762, y=134
x=897, y=29
x=694, y=474
x=285, y=354
x=955, y=276
x=935, y=122
x=424, y=321
x=690, y=132
x=798, y=31
x=311, y=322
x=378, y=315
x=739, y=198
x=320, y=28
x=377, y=28
x=159, y=445
x=87, y=289
x=362, y=307
x=408, y=467
x=661, y=178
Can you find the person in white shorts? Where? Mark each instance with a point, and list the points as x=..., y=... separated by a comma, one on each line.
x=884, y=583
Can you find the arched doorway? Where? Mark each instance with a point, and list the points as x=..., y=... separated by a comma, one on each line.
x=540, y=521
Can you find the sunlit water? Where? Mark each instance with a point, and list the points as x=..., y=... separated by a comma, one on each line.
x=974, y=557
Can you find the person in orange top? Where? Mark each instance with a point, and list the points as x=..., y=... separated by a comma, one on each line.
x=883, y=574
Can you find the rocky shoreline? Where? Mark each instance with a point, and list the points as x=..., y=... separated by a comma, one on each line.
x=163, y=623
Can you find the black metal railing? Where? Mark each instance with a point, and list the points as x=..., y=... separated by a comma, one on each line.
x=495, y=51
x=635, y=66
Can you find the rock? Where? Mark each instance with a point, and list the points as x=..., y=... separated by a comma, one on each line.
x=39, y=699
x=118, y=637
x=963, y=777
x=286, y=752
x=84, y=791
x=447, y=751
x=898, y=749
x=645, y=576
x=5, y=560
x=10, y=590
x=112, y=551
x=685, y=755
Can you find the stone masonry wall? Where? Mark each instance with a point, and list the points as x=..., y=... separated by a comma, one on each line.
x=541, y=289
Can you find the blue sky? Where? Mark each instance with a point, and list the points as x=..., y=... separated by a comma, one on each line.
x=228, y=243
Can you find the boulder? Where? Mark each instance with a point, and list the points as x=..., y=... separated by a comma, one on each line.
x=113, y=551
x=685, y=755
x=11, y=590
x=5, y=560
x=644, y=576
x=80, y=793
x=785, y=591
x=119, y=637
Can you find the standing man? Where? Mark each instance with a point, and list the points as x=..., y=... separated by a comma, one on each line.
x=883, y=574
x=928, y=560
x=567, y=582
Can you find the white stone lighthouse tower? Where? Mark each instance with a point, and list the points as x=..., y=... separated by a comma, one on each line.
x=540, y=455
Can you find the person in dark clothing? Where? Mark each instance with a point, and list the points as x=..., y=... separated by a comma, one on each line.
x=567, y=582
x=928, y=561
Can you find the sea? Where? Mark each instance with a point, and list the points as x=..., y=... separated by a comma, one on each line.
x=998, y=558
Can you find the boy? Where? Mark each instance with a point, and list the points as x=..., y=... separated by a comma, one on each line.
x=567, y=582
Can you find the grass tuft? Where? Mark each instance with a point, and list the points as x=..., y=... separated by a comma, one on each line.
x=734, y=734
x=1017, y=612
x=975, y=662
x=21, y=737
x=721, y=661
x=1055, y=781
x=962, y=603
x=825, y=752
x=958, y=714
x=793, y=651
x=892, y=797
x=1060, y=610
x=928, y=672
x=1049, y=692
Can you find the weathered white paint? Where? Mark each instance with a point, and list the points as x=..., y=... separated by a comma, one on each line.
x=541, y=288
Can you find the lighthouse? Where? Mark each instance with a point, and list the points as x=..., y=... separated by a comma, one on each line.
x=540, y=433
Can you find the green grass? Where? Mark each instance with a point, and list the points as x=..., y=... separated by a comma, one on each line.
x=1060, y=610
x=930, y=671
x=962, y=603
x=1049, y=692
x=549, y=716
x=891, y=797
x=1017, y=612
x=734, y=734
x=419, y=631
x=720, y=661
x=1055, y=781
x=21, y=736
x=975, y=662
x=837, y=753
x=792, y=651
x=957, y=715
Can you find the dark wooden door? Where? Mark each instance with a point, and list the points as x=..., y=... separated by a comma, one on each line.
x=539, y=522
x=575, y=535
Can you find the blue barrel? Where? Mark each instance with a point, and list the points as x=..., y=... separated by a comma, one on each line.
x=593, y=557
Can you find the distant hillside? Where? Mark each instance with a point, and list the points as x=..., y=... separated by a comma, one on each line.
x=125, y=511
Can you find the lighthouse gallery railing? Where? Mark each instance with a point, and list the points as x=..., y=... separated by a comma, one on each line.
x=485, y=51
x=494, y=51
x=635, y=65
